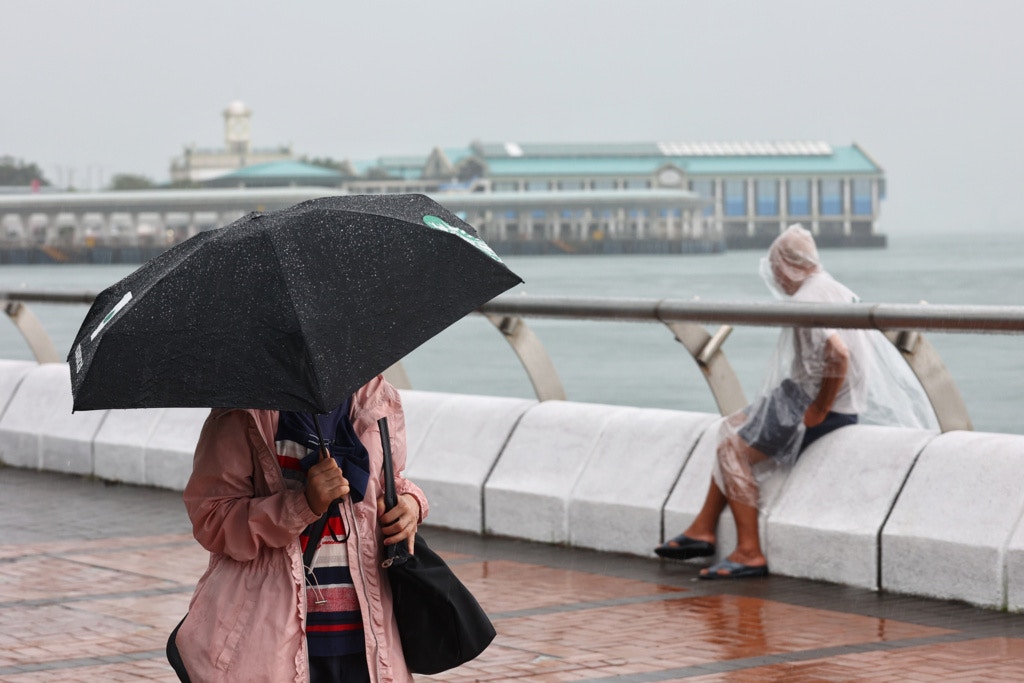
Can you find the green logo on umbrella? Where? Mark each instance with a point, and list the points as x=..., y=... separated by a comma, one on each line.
x=440, y=224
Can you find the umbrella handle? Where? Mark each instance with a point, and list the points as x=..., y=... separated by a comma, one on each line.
x=324, y=454
x=319, y=437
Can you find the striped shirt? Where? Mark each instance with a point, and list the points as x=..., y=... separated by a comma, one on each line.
x=334, y=625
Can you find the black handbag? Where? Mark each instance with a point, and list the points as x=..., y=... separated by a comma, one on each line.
x=440, y=622
x=174, y=657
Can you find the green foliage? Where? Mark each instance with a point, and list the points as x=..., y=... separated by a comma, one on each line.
x=131, y=181
x=17, y=172
x=182, y=185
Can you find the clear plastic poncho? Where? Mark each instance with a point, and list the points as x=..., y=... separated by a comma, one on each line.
x=847, y=371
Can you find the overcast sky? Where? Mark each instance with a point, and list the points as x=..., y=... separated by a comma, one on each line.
x=930, y=88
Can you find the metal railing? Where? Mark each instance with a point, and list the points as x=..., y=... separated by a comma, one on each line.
x=902, y=324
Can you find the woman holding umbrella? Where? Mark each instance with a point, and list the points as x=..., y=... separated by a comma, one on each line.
x=242, y=316
x=257, y=614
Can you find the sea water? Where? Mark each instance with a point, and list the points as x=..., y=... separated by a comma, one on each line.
x=640, y=364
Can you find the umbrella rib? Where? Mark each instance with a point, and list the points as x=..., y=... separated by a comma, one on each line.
x=295, y=314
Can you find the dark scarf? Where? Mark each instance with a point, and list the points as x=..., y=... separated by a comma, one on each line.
x=339, y=438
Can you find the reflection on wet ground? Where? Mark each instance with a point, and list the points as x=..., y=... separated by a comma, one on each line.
x=93, y=578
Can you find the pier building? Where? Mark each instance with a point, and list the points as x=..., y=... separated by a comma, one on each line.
x=741, y=193
x=746, y=193
x=524, y=198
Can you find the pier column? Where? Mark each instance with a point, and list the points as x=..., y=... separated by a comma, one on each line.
x=847, y=204
x=783, y=203
x=751, y=192
x=48, y=230
x=26, y=227
x=815, y=215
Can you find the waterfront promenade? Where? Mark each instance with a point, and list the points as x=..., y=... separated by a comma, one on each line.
x=93, y=577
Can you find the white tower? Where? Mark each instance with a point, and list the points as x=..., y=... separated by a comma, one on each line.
x=236, y=128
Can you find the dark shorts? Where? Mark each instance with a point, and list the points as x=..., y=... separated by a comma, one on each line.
x=832, y=422
x=774, y=421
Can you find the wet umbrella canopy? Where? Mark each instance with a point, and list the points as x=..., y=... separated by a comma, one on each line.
x=288, y=310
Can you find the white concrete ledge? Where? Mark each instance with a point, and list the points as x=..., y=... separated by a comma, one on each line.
x=120, y=445
x=617, y=501
x=527, y=495
x=171, y=446
x=38, y=429
x=11, y=374
x=950, y=529
x=901, y=510
x=827, y=519
x=456, y=451
x=420, y=408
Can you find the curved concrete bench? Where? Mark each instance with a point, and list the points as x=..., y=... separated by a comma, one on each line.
x=152, y=447
x=954, y=532
x=460, y=437
x=527, y=495
x=38, y=429
x=892, y=509
x=827, y=520
x=617, y=501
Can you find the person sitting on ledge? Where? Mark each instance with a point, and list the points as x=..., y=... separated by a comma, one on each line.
x=817, y=385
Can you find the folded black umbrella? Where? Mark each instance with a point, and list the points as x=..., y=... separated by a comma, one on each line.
x=287, y=310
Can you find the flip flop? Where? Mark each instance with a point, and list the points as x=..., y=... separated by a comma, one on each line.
x=685, y=548
x=734, y=570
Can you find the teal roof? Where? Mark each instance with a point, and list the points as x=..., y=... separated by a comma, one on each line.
x=284, y=169
x=364, y=165
x=523, y=166
x=568, y=149
x=841, y=160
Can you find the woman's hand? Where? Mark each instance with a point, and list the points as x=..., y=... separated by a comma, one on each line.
x=400, y=522
x=324, y=484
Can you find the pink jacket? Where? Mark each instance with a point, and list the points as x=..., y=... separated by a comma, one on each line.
x=247, y=617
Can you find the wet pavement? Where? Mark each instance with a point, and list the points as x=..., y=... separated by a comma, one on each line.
x=94, y=576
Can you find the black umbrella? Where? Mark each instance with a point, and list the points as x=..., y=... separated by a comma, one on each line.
x=288, y=310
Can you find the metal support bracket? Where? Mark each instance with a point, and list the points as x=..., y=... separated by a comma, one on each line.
x=938, y=384
x=533, y=356
x=33, y=332
x=706, y=350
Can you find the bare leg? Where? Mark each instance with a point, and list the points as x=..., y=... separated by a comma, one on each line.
x=748, y=541
x=705, y=524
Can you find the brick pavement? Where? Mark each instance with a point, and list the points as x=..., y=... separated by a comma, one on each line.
x=93, y=577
